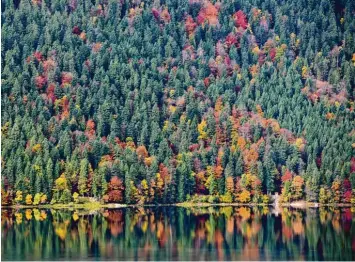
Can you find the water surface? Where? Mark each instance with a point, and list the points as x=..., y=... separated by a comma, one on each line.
x=174, y=233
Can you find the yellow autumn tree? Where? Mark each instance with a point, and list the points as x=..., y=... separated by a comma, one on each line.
x=202, y=128
x=28, y=199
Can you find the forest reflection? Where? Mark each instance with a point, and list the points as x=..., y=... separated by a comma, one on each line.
x=174, y=233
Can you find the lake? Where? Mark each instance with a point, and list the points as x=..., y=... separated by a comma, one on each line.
x=176, y=233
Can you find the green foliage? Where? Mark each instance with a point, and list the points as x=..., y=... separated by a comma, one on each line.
x=199, y=97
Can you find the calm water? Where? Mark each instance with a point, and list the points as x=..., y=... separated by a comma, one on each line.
x=172, y=233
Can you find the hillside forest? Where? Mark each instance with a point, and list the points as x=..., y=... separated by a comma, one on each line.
x=146, y=102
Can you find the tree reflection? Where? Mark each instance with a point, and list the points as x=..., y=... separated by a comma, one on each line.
x=172, y=233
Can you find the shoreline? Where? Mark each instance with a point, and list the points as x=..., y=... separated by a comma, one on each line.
x=97, y=205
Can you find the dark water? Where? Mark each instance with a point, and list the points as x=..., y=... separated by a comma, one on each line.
x=172, y=233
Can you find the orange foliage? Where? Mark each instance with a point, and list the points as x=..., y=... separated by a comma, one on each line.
x=165, y=16
x=218, y=171
x=208, y=13
x=90, y=128
x=96, y=47
x=142, y=152
x=241, y=143
x=230, y=184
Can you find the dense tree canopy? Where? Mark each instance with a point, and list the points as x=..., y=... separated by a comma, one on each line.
x=168, y=101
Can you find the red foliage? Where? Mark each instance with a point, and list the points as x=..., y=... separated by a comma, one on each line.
x=38, y=56
x=164, y=172
x=261, y=58
x=193, y=147
x=347, y=184
x=206, y=81
x=49, y=64
x=155, y=13
x=116, y=189
x=190, y=25
x=40, y=81
x=240, y=19
x=50, y=92
x=76, y=30
x=347, y=196
x=287, y=176
x=352, y=165
x=231, y=40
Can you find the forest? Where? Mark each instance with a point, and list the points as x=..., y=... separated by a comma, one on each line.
x=167, y=101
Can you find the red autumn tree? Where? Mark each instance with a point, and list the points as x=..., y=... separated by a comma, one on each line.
x=76, y=30
x=155, y=13
x=116, y=189
x=50, y=93
x=190, y=25
x=38, y=56
x=40, y=81
x=240, y=19
x=287, y=176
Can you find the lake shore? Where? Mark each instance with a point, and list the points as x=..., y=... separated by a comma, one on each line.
x=98, y=205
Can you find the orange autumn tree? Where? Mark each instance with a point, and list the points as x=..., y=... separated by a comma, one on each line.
x=208, y=13
x=115, y=190
x=297, y=187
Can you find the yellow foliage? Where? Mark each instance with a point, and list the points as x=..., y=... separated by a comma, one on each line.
x=202, y=130
x=259, y=110
x=18, y=217
x=28, y=199
x=75, y=216
x=256, y=50
x=304, y=72
x=172, y=109
x=148, y=161
x=36, y=148
x=28, y=214
x=18, y=197
x=61, y=182
x=37, y=214
x=244, y=197
x=43, y=215
x=299, y=144
x=61, y=231
x=244, y=212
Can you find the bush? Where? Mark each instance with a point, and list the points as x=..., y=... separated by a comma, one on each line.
x=212, y=199
x=226, y=198
x=76, y=197
x=266, y=199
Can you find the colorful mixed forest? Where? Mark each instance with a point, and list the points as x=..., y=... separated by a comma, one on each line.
x=174, y=100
